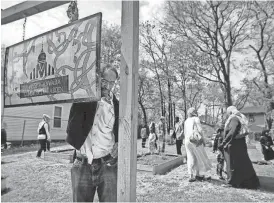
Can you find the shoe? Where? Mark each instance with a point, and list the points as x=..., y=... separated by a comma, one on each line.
x=200, y=178
x=221, y=178
x=226, y=185
x=192, y=180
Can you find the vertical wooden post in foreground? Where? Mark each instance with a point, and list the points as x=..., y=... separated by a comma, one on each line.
x=128, y=115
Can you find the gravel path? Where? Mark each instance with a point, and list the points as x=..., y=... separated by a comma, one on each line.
x=36, y=180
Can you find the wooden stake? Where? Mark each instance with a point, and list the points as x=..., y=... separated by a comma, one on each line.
x=126, y=191
x=23, y=133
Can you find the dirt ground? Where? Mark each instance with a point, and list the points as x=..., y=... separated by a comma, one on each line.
x=36, y=180
x=15, y=149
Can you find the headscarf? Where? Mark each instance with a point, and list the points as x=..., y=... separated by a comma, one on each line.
x=233, y=111
x=191, y=112
x=265, y=133
x=46, y=116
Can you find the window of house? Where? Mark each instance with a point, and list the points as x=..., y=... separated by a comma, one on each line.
x=57, y=116
x=251, y=118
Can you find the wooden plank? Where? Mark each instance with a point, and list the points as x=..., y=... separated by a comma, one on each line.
x=142, y=167
x=128, y=114
x=27, y=8
x=167, y=166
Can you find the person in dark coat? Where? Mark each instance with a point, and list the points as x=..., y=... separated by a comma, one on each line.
x=240, y=171
x=267, y=145
x=93, y=132
x=4, y=136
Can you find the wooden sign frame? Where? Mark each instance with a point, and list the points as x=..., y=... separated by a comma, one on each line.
x=58, y=83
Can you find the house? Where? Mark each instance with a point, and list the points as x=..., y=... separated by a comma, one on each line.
x=256, y=116
x=22, y=122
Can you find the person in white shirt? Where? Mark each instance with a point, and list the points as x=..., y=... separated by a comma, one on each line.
x=162, y=131
x=152, y=138
x=93, y=131
x=43, y=134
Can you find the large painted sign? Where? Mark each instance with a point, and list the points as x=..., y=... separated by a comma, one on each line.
x=59, y=66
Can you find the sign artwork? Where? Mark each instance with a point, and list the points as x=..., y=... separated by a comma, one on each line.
x=59, y=66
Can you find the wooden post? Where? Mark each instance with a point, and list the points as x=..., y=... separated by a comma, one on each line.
x=27, y=8
x=23, y=133
x=128, y=114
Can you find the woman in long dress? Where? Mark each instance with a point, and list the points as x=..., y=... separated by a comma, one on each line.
x=240, y=171
x=197, y=160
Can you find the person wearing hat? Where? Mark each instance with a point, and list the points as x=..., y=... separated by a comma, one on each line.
x=161, y=134
x=43, y=134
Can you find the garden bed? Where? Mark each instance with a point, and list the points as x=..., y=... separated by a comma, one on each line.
x=154, y=159
x=159, y=164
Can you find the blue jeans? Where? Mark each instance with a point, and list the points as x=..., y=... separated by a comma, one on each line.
x=87, y=178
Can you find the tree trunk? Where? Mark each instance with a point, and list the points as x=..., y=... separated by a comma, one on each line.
x=174, y=115
x=144, y=113
x=169, y=104
x=228, y=95
x=185, y=103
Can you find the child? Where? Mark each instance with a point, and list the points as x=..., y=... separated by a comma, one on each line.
x=152, y=138
x=220, y=157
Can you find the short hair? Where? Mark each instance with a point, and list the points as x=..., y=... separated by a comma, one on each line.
x=109, y=67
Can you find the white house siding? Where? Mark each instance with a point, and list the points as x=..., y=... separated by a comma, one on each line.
x=14, y=118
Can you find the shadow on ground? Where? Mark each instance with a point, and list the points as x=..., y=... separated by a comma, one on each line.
x=6, y=162
x=217, y=181
x=5, y=191
x=267, y=183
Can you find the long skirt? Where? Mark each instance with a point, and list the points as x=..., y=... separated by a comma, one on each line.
x=197, y=160
x=268, y=153
x=240, y=171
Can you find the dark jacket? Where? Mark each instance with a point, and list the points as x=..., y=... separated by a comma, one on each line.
x=81, y=119
x=232, y=132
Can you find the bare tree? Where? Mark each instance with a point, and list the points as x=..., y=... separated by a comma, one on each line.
x=263, y=46
x=215, y=29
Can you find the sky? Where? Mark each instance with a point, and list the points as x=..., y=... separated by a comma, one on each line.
x=12, y=33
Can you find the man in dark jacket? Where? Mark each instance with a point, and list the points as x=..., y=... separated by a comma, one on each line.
x=93, y=131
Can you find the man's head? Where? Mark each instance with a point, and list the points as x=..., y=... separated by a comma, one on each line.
x=109, y=77
x=176, y=119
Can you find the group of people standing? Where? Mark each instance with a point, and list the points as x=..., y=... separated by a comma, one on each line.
x=230, y=142
x=156, y=140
